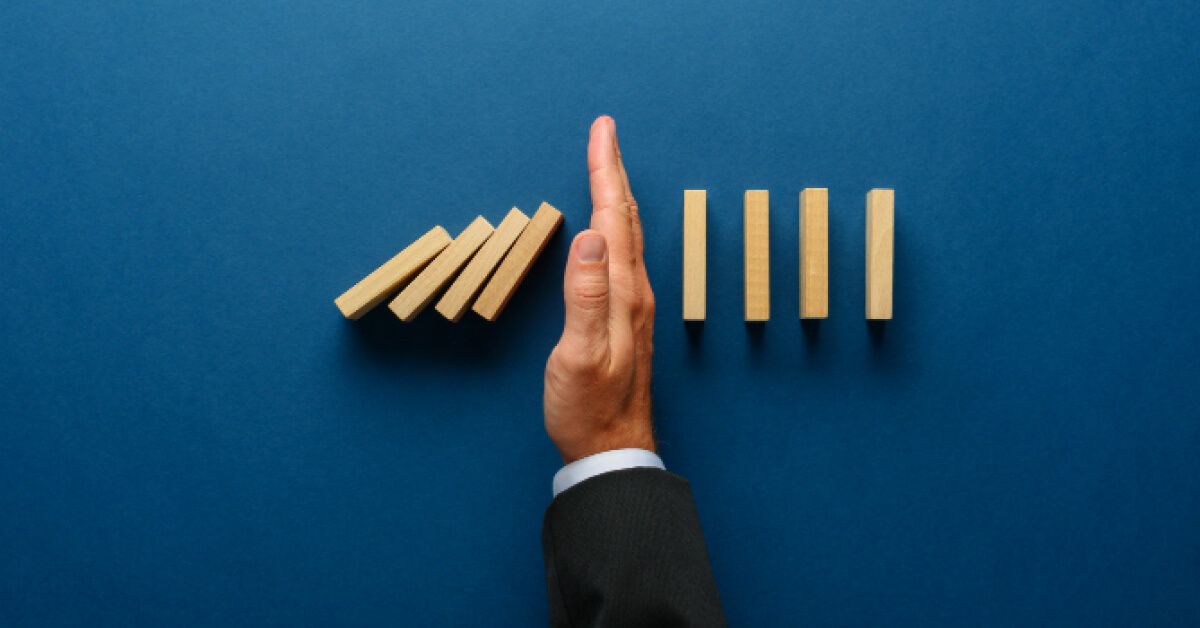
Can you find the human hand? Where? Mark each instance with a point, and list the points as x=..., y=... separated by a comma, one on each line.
x=597, y=385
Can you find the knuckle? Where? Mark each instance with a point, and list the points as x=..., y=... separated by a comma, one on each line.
x=581, y=362
x=554, y=371
x=590, y=293
x=617, y=206
x=637, y=308
x=600, y=166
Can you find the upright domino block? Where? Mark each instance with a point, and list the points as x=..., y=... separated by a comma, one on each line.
x=458, y=297
x=814, y=253
x=695, y=227
x=385, y=280
x=517, y=263
x=440, y=271
x=881, y=220
x=757, y=255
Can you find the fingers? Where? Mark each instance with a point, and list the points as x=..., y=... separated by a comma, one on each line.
x=586, y=296
x=610, y=198
x=635, y=218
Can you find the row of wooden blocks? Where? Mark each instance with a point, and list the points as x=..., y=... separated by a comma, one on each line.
x=814, y=254
x=481, y=260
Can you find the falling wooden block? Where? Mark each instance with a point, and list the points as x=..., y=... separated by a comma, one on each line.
x=757, y=255
x=881, y=221
x=386, y=279
x=814, y=253
x=440, y=271
x=458, y=297
x=695, y=262
x=517, y=263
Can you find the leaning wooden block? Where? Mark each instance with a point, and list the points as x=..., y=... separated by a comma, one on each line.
x=814, y=253
x=695, y=227
x=517, y=263
x=881, y=220
x=386, y=279
x=440, y=271
x=458, y=297
x=757, y=255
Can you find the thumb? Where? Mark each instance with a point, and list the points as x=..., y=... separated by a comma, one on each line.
x=585, y=293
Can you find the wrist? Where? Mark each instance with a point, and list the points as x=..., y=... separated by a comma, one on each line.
x=641, y=439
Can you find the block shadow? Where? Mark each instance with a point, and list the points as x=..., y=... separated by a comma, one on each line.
x=756, y=333
x=694, y=330
x=812, y=332
x=877, y=333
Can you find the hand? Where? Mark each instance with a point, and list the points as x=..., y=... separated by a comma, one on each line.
x=597, y=394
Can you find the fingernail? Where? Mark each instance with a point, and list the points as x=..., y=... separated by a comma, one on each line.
x=591, y=248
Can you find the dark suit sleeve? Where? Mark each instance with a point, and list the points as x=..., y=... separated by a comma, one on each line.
x=625, y=549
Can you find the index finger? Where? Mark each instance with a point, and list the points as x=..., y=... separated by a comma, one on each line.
x=610, y=204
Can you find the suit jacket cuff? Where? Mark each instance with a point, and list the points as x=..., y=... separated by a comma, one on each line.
x=604, y=462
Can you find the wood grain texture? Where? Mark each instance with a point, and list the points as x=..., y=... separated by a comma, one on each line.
x=500, y=289
x=757, y=255
x=814, y=253
x=459, y=295
x=388, y=278
x=695, y=255
x=881, y=222
x=418, y=294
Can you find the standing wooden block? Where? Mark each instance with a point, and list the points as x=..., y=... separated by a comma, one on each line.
x=881, y=221
x=814, y=253
x=517, y=263
x=757, y=255
x=695, y=256
x=440, y=271
x=385, y=280
x=458, y=297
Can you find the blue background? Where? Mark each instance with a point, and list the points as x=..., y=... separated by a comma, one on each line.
x=191, y=434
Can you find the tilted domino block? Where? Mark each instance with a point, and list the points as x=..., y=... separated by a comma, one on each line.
x=440, y=271
x=517, y=263
x=458, y=297
x=387, y=279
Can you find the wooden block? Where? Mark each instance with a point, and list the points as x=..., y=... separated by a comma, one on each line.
x=387, y=279
x=881, y=221
x=695, y=241
x=517, y=263
x=440, y=271
x=814, y=253
x=758, y=255
x=458, y=297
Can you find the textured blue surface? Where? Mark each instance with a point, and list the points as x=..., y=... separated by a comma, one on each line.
x=190, y=434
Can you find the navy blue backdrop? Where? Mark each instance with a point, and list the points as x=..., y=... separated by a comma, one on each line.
x=191, y=434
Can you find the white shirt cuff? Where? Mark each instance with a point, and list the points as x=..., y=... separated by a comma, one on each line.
x=604, y=462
